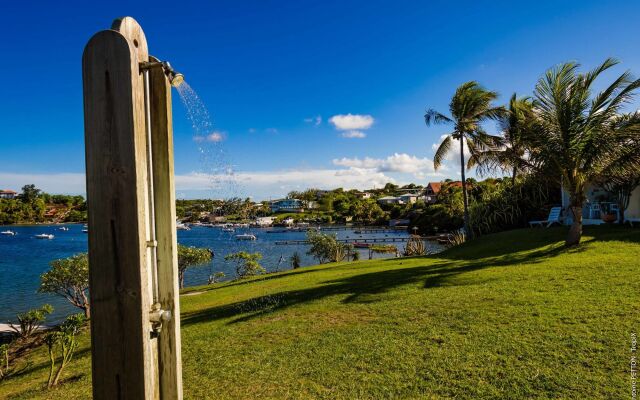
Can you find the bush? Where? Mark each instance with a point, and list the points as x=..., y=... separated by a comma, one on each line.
x=65, y=341
x=326, y=248
x=247, y=264
x=29, y=321
x=295, y=260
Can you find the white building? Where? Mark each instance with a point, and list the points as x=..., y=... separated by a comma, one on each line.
x=389, y=200
x=8, y=194
x=600, y=201
x=264, y=221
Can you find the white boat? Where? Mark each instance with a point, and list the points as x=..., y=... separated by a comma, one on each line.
x=44, y=236
x=8, y=233
x=85, y=230
x=228, y=230
x=63, y=228
x=246, y=236
x=182, y=227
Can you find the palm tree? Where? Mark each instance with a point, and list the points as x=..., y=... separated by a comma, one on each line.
x=582, y=137
x=470, y=106
x=517, y=124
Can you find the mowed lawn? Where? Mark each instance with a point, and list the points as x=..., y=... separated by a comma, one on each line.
x=512, y=315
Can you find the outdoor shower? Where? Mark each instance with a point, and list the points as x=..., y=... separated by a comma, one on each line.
x=135, y=322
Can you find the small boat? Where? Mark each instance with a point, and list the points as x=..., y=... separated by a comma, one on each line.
x=360, y=245
x=182, y=227
x=246, y=236
x=8, y=233
x=85, y=230
x=228, y=230
x=63, y=228
x=44, y=236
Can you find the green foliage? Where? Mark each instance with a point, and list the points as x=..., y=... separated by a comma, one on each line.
x=247, y=264
x=216, y=277
x=29, y=321
x=326, y=248
x=415, y=246
x=189, y=256
x=506, y=205
x=69, y=278
x=470, y=106
x=64, y=341
x=583, y=136
x=295, y=260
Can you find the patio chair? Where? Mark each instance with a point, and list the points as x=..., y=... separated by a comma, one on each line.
x=632, y=221
x=553, y=218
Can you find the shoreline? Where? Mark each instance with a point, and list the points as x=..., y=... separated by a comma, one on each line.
x=43, y=223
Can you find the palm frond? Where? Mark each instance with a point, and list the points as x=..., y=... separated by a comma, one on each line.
x=434, y=117
x=442, y=151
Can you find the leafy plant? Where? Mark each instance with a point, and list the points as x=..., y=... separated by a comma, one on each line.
x=64, y=340
x=457, y=238
x=69, y=278
x=189, y=256
x=247, y=264
x=29, y=321
x=216, y=277
x=295, y=260
x=326, y=248
x=415, y=246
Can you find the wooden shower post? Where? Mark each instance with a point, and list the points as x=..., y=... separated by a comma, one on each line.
x=131, y=357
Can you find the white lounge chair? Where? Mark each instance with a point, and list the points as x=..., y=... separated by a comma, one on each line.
x=553, y=218
x=632, y=221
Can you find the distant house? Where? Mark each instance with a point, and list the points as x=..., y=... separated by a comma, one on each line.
x=408, y=198
x=8, y=194
x=363, y=195
x=287, y=205
x=433, y=189
x=389, y=200
x=431, y=192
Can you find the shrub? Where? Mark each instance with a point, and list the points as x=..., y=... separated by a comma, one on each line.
x=415, y=246
x=247, y=264
x=295, y=260
x=29, y=321
x=65, y=341
x=69, y=278
x=326, y=248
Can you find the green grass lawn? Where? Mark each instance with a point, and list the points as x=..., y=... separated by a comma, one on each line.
x=512, y=315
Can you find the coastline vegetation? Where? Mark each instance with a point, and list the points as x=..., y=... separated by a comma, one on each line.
x=507, y=315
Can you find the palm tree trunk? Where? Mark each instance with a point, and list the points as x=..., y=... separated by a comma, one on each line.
x=575, y=232
x=467, y=228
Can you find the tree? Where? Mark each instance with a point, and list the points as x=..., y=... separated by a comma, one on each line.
x=65, y=339
x=29, y=321
x=69, y=278
x=470, y=106
x=582, y=136
x=247, y=264
x=29, y=193
x=326, y=248
x=517, y=125
x=189, y=256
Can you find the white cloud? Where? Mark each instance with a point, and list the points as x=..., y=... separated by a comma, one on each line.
x=354, y=135
x=398, y=162
x=213, y=137
x=347, y=122
x=316, y=121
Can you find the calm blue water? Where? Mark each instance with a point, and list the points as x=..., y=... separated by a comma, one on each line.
x=23, y=259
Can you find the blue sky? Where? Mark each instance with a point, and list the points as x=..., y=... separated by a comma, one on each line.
x=273, y=74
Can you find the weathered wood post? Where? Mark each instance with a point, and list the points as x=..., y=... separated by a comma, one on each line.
x=135, y=316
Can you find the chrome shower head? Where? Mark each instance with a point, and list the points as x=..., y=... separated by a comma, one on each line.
x=175, y=78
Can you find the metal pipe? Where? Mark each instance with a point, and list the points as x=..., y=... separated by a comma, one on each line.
x=152, y=243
